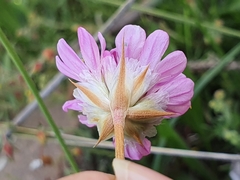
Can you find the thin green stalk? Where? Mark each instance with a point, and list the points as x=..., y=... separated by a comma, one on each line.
x=187, y=32
x=16, y=60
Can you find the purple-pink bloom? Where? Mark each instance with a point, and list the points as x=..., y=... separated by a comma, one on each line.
x=128, y=86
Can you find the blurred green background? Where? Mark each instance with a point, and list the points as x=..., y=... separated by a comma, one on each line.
x=205, y=30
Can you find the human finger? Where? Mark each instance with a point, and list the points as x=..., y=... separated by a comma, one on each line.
x=89, y=175
x=127, y=170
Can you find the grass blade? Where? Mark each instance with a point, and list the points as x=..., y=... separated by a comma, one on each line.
x=16, y=60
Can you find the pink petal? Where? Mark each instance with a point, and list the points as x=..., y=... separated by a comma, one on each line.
x=73, y=105
x=135, y=151
x=84, y=120
x=179, y=109
x=134, y=38
x=114, y=54
x=69, y=59
x=171, y=66
x=89, y=49
x=103, y=44
x=154, y=48
x=63, y=68
x=106, y=53
x=180, y=92
x=108, y=69
x=180, y=89
x=108, y=63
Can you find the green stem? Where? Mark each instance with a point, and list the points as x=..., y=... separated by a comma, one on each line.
x=16, y=60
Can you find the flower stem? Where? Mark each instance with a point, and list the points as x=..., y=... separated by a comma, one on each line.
x=16, y=60
x=119, y=141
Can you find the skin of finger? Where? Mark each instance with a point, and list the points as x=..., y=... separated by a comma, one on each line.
x=139, y=172
x=89, y=175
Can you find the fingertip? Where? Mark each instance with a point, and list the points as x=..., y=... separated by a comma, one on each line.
x=89, y=175
x=136, y=171
x=120, y=167
x=127, y=170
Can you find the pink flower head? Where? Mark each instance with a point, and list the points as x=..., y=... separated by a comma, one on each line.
x=128, y=90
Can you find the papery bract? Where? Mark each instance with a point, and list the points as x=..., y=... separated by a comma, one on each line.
x=128, y=90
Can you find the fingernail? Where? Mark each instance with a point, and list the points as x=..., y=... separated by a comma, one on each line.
x=120, y=167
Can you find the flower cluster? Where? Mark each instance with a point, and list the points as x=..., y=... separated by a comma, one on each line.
x=128, y=90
